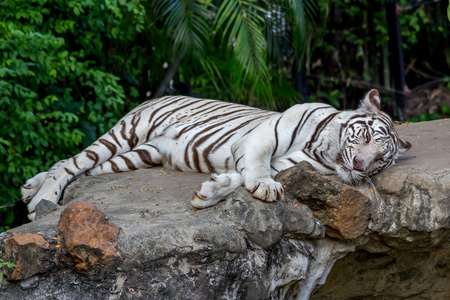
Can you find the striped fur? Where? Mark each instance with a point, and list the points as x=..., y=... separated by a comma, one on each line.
x=244, y=145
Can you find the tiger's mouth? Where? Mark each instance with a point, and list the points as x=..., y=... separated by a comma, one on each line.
x=347, y=173
x=354, y=176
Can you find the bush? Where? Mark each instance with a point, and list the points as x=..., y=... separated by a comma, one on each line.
x=54, y=97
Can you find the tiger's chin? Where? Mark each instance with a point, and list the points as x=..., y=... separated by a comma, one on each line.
x=350, y=176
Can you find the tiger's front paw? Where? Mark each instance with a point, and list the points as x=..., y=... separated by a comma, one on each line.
x=267, y=190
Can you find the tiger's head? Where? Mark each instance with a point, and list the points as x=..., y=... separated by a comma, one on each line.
x=368, y=141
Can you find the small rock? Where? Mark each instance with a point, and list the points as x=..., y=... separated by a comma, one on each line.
x=44, y=207
x=30, y=282
x=31, y=253
x=89, y=240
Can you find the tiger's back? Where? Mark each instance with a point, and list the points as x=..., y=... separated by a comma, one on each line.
x=195, y=135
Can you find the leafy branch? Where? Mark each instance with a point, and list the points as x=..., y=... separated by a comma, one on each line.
x=4, y=264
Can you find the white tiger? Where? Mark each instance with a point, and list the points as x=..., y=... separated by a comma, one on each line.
x=246, y=146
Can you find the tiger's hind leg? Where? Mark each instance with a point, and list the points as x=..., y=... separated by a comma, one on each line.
x=217, y=188
x=143, y=156
x=131, y=131
x=65, y=171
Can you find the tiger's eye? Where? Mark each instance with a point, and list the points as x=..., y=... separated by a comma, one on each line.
x=368, y=137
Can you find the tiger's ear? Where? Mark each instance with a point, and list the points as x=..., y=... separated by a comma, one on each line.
x=371, y=101
x=403, y=146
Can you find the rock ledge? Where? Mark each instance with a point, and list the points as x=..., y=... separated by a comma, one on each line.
x=135, y=235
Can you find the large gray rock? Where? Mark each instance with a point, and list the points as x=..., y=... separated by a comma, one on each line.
x=243, y=248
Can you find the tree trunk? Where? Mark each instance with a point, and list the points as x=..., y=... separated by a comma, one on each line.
x=171, y=70
x=396, y=57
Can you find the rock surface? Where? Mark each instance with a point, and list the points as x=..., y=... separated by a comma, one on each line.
x=395, y=274
x=135, y=236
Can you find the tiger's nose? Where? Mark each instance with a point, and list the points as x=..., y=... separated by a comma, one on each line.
x=358, y=165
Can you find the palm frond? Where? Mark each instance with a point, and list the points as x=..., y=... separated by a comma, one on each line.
x=241, y=23
x=306, y=20
x=187, y=23
x=276, y=33
x=296, y=11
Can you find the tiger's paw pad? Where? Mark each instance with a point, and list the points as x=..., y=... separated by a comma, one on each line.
x=267, y=190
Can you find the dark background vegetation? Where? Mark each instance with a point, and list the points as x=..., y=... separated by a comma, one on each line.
x=70, y=69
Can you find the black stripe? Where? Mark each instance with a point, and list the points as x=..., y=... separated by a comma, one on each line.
x=226, y=163
x=204, y=155
x=145, y=157
x=92, y=156
x=292, y=161
x=111, y=147
x=128, y=162
x=237, y=161
x=320, y=127
x=114, y=167
x=276, y=135
x=154, y=112
x=189, y=146
x=68, y=171
x=111, y=133
x=212, y=118
x=74, y=159
x=302, y=122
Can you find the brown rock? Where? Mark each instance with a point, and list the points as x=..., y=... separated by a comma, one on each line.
x=31, y=253
x=88, y=239
x=344, y=210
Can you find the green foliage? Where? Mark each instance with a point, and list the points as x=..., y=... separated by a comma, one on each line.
x=426, y=116
x=333, y=97
x=4, y=264
x=187, y=24
x=244, y=48
x=51, y=95
x=241, y=22
x=448, y=11
x=411, y=25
